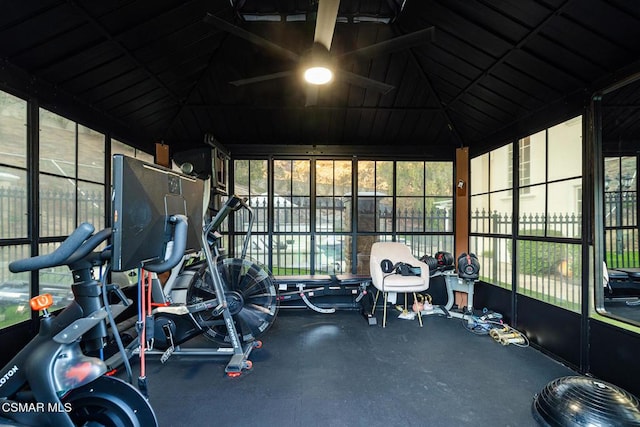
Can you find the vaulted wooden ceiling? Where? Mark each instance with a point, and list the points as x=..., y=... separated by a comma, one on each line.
x=150, y=71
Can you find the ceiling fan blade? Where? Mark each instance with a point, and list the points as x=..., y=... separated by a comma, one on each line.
x=363, y=82
x=263, y=78
x=326, y=22
x=223, y=25
x=395, y=44
x=312, y=95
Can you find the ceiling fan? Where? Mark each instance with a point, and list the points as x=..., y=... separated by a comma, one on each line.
x=319, y=62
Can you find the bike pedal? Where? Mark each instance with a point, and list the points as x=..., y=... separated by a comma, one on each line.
x=217, y=311
x=167, y=354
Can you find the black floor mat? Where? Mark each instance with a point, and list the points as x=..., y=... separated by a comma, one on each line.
x=335, y=370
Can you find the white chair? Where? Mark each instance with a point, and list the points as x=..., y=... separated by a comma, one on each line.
x=392, y=282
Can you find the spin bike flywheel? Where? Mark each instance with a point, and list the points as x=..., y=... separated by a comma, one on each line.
x=109, y=402
x=251, y=296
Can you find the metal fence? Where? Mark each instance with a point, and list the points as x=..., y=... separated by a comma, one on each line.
x=529, y=224
x=298, y=246
x=57, y=211
x=621, y=229
x=425, y=232
x=57, y=218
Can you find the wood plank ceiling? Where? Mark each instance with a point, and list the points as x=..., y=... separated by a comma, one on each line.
x=151, y=71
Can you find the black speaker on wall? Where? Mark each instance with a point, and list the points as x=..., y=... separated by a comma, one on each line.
x=199, y=158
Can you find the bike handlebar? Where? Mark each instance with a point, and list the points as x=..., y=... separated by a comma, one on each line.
x=178, y=249
x=58, y=257
x=81, y=243
x=89, y=245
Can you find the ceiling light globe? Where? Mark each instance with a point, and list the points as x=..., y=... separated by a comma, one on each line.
x=318, y=75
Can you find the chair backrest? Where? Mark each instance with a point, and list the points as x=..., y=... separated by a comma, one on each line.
x=395, y=252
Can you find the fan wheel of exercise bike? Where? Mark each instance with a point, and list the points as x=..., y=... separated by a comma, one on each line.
x=251, y=296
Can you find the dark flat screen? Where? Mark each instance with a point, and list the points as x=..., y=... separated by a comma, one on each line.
x=144, y=197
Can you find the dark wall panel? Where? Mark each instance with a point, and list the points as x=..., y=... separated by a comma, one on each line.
x=493, y=298
x=614, y=355
x=555, y=330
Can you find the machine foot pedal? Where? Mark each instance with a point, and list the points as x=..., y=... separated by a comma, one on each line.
x=370, y=318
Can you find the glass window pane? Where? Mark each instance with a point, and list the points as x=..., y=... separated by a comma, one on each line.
x=375, y=176
x=428, y=244
x=612, y=173
x=13, y=130
x=90, y=154
x=366, y=175
x=439, y=179
x=533, y=157
x=410, y=178
x=495, y=256
x=363, y=249
x=300, y=177
x=331, y=255
x=480, y=214
x=57, y=206
x=375, y=213
x=622, y=247
x=565, y=149
x=384, y=177
x=241, y=177
x=258, y=177
x=55, y=281
x=13, y=203
x=331, y=214
x=118, y=147
x=291, y=200
x=628, y=174
x=439, y=212
x=501, y=212
x=294, y=256
x=333, y=178
x=480, y=174
x=333, y=182
x=15, y=288
x=282, y=173
x=250, y=178
x=564, y=216
x=550, y=272
x=532, y=211
x=501, y=167
x=57, y=144
x=91, y=206
x=409, y=214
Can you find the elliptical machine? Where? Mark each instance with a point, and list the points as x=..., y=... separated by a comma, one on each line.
x=51, y=382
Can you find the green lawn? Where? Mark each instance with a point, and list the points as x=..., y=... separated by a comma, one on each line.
x=10, y=315
x=627, y=259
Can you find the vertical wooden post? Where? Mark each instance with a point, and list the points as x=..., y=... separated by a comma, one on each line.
x=462, y=211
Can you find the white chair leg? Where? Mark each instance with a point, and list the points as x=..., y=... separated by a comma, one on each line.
x=375, y=302
x=419, y=312
x=384, y=310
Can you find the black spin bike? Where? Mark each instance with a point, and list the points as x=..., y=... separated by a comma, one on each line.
x=51, y=381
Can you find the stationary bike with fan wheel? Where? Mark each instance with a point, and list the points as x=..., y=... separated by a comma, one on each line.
x=231, y=301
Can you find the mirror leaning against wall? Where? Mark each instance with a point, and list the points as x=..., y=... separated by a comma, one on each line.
x=616, y=114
